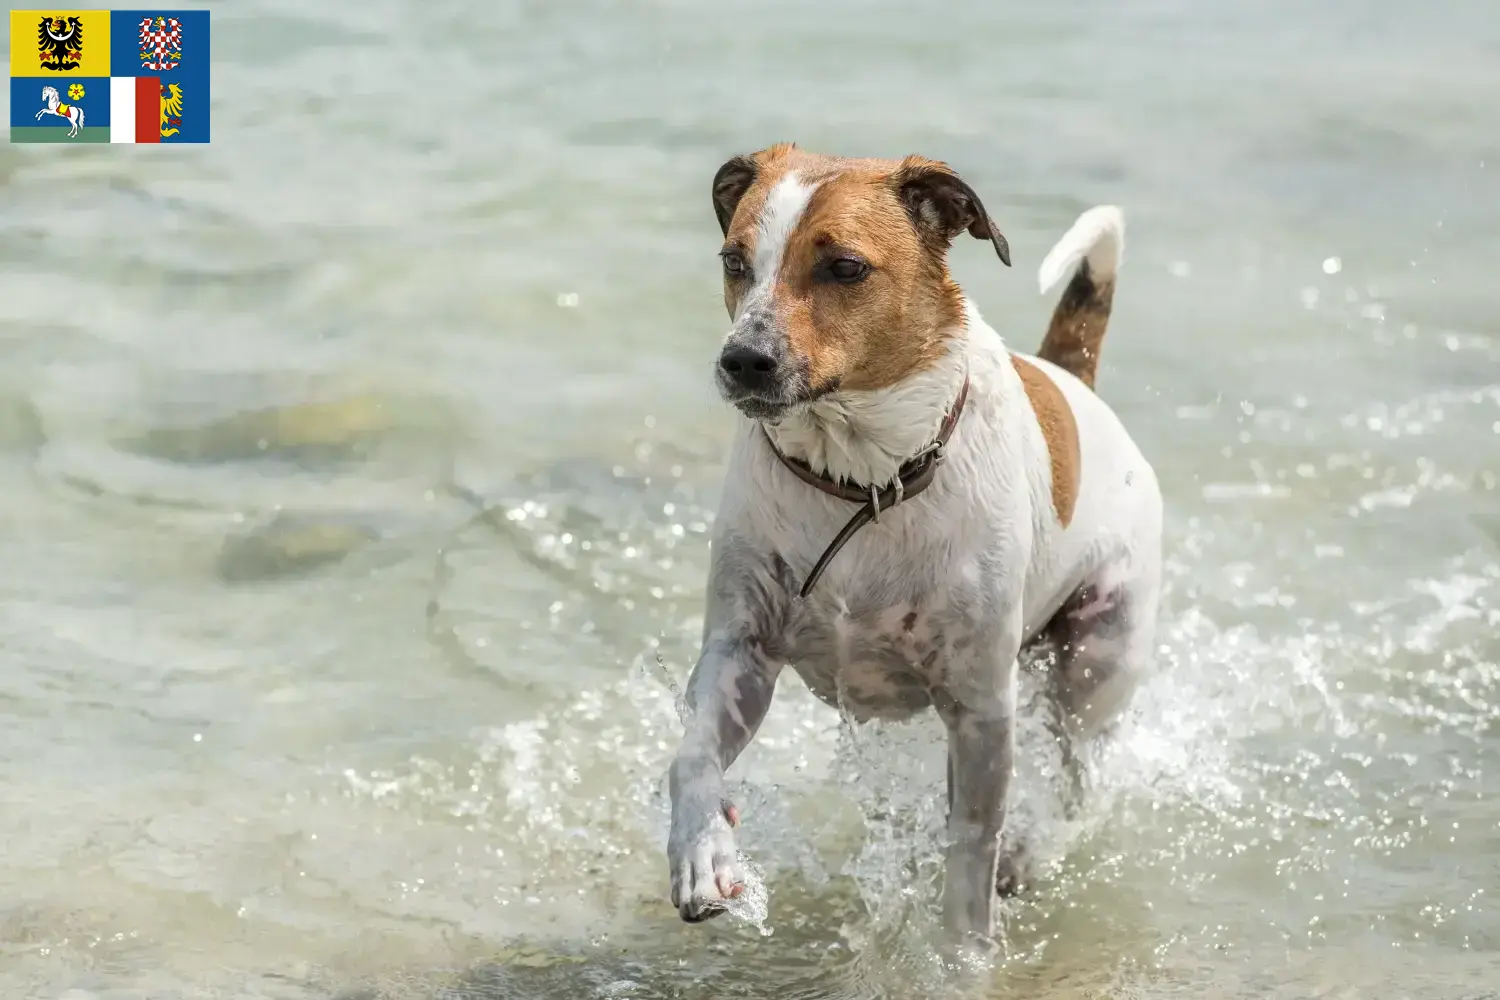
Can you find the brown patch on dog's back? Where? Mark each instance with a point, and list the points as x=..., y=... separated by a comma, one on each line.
x=1059, y=430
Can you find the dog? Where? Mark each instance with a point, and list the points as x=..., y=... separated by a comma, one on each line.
x=909, y=507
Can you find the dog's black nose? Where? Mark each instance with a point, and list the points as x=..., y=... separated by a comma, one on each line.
x=750, y=367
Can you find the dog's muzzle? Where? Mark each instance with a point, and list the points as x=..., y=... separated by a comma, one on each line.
x=753, y=371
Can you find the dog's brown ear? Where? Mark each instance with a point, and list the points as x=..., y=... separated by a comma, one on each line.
x=941, y=205
x=730, y=184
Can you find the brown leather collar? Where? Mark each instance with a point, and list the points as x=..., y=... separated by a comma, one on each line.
x=912, y=478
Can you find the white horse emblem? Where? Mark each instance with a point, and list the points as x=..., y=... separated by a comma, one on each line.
x=72, y=112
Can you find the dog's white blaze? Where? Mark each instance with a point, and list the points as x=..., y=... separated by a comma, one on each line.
x=784, y=207
x=778, y=219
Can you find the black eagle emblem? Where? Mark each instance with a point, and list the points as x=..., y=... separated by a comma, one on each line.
x=59, y=42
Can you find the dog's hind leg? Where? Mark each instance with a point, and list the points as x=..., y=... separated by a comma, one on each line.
x=1105, y=655
x=1103, y=636
x=1095, y=651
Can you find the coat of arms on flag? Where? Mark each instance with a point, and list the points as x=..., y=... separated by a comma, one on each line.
x=112, y=76
x=59, y=42
x=171, y=110
x=161, y=42
x=70, y=113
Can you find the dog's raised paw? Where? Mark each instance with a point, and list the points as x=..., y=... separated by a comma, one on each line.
x=701, y=892
x=706, y=872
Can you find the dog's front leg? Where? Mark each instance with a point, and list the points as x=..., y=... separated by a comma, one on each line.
x=727, y=697
x=979, y=713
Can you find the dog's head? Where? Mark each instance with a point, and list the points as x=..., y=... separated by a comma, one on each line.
x=836, y=273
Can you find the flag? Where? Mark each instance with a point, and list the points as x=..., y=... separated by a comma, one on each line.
x=115, y=76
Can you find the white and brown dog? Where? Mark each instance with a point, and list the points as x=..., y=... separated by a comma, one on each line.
x=909, y=506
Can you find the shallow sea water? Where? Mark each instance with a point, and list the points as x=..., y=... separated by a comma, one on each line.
x=284, y=715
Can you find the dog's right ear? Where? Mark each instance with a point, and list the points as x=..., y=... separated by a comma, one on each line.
x=730, y=184
x=942, y=205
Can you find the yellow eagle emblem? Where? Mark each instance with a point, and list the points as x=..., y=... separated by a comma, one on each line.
x=171, y=110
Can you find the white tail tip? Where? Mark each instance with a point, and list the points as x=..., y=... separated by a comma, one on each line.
x=1098, y=236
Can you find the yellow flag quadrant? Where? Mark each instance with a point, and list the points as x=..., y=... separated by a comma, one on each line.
x=26, y=54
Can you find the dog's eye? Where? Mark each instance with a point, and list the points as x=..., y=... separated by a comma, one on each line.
x=734, y=263
x=847, y=270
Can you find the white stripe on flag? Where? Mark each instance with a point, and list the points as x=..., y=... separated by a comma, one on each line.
x=122, y=109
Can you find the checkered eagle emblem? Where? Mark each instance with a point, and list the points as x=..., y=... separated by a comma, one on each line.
x=161, y=43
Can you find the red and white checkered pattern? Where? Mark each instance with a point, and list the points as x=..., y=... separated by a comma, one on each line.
x=161, y=45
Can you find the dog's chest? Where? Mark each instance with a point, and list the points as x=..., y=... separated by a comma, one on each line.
x=887, y=622
x=874, y=661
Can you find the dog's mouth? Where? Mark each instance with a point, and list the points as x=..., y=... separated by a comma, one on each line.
x=772, y=409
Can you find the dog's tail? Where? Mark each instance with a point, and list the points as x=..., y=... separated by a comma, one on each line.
x=1092, y=250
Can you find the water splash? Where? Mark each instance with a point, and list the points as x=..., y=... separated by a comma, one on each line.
x=753, y=906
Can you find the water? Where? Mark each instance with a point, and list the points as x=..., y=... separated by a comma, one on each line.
x=260, y=739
